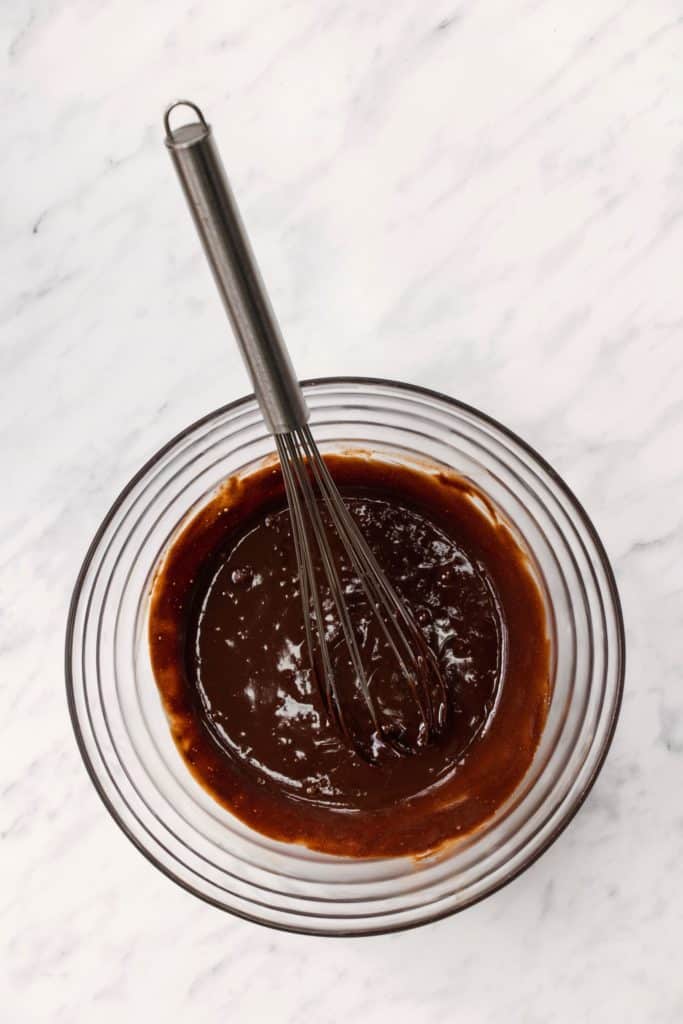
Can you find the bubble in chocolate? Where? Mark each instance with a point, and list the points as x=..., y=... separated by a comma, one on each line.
x=242, y=577
x=423, y=616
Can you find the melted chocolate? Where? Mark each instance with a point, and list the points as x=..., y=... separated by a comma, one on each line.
x=229, y=655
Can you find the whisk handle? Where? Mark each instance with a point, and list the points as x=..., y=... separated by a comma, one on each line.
x=223, y=236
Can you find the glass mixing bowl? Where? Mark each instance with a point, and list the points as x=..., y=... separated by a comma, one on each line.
x=123, y=734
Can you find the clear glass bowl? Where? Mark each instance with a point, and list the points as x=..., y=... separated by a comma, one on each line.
x=123, y=733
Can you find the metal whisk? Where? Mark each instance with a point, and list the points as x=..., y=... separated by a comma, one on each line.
x=317, y=509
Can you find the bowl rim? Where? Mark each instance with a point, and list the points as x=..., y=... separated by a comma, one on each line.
x=620, y=653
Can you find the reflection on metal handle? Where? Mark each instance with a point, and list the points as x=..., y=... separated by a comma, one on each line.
x=227, y=248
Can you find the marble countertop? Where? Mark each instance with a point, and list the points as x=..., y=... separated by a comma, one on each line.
x=486, y=198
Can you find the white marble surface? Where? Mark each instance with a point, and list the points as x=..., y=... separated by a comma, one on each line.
x=482, y=197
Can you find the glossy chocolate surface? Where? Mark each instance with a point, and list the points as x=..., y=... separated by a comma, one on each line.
x=229, y=655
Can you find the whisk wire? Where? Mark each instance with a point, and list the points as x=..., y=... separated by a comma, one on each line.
x=364, y=565
x=309, y=487
x=335, y=585
x=309, y=594
x=309, y=513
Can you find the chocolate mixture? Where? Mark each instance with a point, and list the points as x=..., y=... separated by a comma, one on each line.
x=229, y=655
